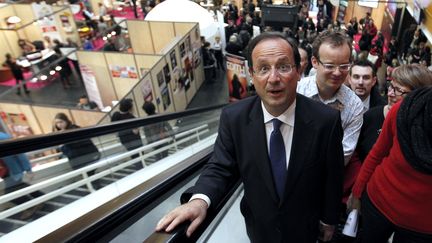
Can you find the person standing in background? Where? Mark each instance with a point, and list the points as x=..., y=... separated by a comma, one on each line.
x=17, y=73
x=157, y=131
x=130, y=138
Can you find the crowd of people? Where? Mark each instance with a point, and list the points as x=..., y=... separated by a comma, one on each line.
x=375, y=153
x=319, y=139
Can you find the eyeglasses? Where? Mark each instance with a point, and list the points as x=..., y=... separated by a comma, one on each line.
x=282, y=69
x=331, y=67
x=396, y=90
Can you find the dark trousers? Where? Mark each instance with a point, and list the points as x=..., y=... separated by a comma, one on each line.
x=377, y=228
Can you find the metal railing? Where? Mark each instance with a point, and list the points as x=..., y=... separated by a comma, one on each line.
x=106, y=165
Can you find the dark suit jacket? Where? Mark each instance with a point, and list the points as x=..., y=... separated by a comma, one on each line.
x=375, y=98
x=314, y=182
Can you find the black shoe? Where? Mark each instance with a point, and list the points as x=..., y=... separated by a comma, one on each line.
x=27, y=91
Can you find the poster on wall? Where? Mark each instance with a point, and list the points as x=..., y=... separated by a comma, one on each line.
x=17, y=124
x=182, y=50
x=65, y=22
x=187, y=66
x=178, y=84
x=46, y=21
x=90, y=84
x=146, y=89
x=173, y=59
x=166, y=100
x=196, y=58
x=236, y=77
x=160, y=79
x=187, y=44
x=167, y=73
x=123, y=71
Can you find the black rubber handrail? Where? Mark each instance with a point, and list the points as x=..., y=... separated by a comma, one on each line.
x=26, y=144
x=178, y=235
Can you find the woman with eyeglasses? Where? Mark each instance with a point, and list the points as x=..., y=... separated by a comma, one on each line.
x=396, y=196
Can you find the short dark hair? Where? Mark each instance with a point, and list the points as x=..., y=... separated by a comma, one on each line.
x=149, y=108
x=364, y=63
x=84, y=96
x=272, y=35
x=334, y=38
x=125, y=105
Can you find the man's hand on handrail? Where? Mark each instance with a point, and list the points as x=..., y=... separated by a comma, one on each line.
x=195, y=211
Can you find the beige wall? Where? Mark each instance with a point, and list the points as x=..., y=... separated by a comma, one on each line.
x=8, y=38
x=85, y=118
x=122, y=85
x=146, y=62
x=96, y=62
x=162, y=34
x=6, y=12
x=140, y=36
x=182, y=29
x=25, y=12
x=354, y=10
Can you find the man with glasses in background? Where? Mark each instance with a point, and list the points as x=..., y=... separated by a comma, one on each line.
x=275, y=143
x=331, y=57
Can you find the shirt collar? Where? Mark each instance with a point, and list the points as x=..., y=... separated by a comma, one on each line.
x=338, y=96
x=287, y=117
x=366, y=103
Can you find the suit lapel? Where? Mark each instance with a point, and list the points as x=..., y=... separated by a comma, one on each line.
x=301, y=143
x=261, y=158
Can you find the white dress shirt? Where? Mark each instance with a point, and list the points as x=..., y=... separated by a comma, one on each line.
x=287, y=127
x=349, y=105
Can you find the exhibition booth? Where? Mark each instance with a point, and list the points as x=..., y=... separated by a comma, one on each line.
x=164, y=68
x=33, y=22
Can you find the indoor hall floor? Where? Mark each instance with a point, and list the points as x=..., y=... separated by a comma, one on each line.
x=211, y=92
x=53, y=94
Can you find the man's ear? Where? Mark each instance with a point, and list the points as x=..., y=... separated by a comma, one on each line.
x=374, y=80
x=314, y=61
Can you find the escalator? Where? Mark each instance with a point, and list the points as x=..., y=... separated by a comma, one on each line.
x=69, y=196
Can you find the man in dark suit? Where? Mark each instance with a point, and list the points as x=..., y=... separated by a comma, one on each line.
x=289, y=196
x=362, y=80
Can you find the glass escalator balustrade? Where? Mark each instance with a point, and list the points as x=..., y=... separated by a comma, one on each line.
x=65, y=181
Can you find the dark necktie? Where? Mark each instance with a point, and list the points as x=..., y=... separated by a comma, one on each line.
x=278, y=157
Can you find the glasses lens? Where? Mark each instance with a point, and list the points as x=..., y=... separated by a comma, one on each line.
x=344, y=67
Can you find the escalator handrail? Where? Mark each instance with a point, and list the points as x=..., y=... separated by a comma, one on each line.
x=26, y=144
x=178, y=235
x=106, y=218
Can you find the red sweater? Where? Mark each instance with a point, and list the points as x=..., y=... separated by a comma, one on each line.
x=401, y=193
